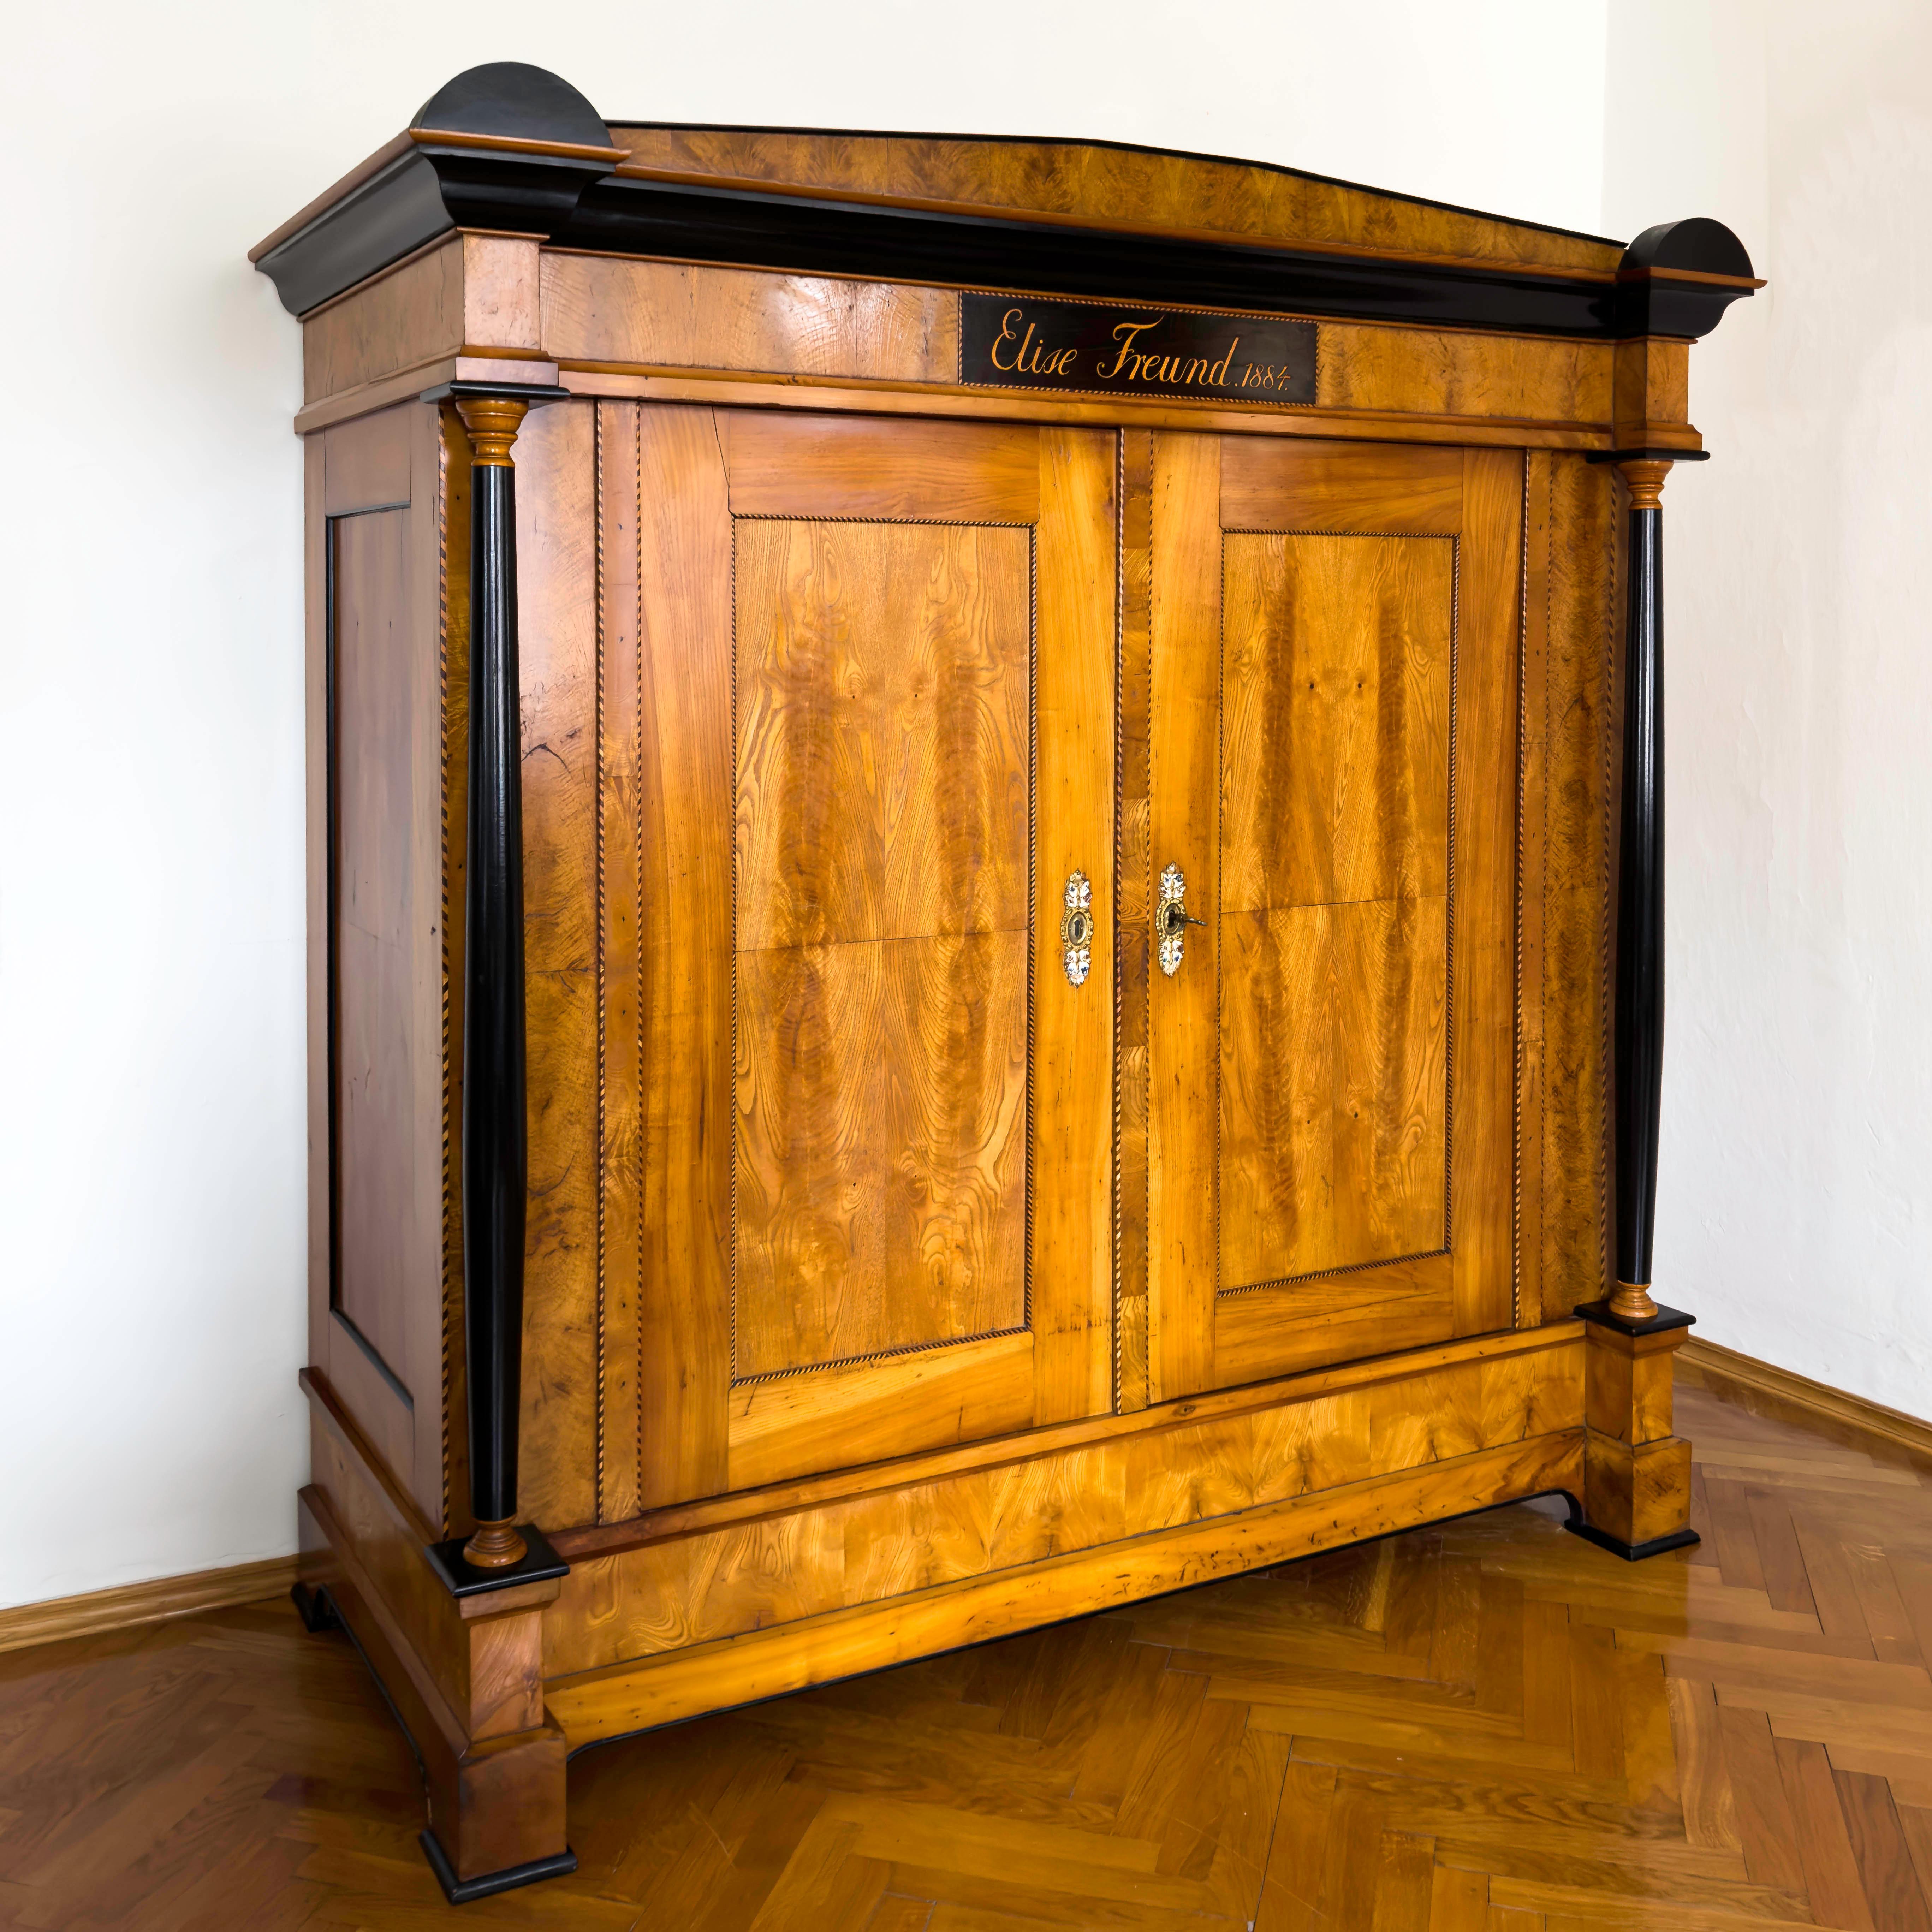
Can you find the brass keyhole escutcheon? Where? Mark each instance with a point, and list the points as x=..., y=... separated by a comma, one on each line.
x=1172, y=918
x=1076, y=929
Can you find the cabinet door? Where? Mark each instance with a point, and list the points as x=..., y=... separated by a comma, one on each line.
x=1332, y=727
x=873, y=719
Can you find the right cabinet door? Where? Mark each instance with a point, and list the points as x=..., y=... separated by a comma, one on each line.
x=1333, y=780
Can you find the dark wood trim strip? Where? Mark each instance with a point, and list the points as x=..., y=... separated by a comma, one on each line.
x=154, y=1602
x=1765, y=1389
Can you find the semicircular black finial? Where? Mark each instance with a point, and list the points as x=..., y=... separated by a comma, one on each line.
x=513, y=98
x=1704, y=247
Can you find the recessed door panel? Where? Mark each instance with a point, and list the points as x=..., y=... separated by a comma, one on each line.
x=1332, y=757
x=884, y=743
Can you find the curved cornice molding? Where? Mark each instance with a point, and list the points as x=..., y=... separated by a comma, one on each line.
x=514, y=148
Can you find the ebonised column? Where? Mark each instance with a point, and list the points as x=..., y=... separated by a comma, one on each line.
x=495, y=1133
x=1638, y=1042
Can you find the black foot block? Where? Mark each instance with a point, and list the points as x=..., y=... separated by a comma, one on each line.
x=1632, y=1552
x=314, y=1606
x=461, y=1891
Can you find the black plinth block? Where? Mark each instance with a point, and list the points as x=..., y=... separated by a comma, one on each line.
x=315, y=1608
x=1661, y=1322
x=538, y=1563
x=461, y=1891
x=1631, y=1553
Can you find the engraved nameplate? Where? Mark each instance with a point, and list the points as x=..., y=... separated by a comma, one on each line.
x=1027, y=342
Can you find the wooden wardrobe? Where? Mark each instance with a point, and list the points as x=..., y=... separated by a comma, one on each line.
x=985, y=894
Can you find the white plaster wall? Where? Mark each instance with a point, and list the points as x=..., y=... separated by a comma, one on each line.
x=151, y=1211
x=1795, y=1215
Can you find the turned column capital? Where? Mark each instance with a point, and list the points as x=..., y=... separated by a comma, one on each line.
x=1645, y=474
x=493, y=422
x=493, y=413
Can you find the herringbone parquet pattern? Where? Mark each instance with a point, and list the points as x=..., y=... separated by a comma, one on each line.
x=1487, y=1727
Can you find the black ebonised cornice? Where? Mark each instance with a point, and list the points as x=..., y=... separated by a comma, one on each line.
x=511, y=147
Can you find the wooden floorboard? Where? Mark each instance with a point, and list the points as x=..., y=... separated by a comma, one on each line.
x=1491, y=1726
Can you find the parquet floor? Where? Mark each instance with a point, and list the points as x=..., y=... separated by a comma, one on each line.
x=1491, y=1726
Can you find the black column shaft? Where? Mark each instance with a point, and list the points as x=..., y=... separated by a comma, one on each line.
x=495, y=1136
x=1640, y=1004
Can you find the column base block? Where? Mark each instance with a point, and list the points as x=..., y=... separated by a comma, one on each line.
x=313, y=1607
x=1631, y=1553
x=461, y=1891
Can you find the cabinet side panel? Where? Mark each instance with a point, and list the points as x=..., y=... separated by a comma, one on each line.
x=315, y=692
x=555, y=457
x=1576, y=883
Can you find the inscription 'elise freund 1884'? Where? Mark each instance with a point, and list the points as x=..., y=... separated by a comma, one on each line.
x=1010, y=342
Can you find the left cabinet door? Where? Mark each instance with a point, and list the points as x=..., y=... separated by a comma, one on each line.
x=856, y=729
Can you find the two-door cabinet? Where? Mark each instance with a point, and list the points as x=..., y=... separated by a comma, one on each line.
x=985, y=892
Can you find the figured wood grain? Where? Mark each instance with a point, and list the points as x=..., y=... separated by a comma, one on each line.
x=685, y=315
x=1532, y=841
x=405, y=317
x=1335, y=692
x=557, y=562
x=467, y=294
x=1333, y=1086
x=685, y=795
x=1292, y=1324
x=1482, y=1045
x=932, y=471
x=712, y=1513
x=881, y=1194
x=1112, y=187
x=818, y=1554
x=883, y=735
x=1266, y=485
x=1134, y=896
x=884, y=751
x=1576, y=884
x=622, y=1081
x=1183, y=1042
x=873, y=1410
x=1379, y=370
x=701, y=1677
x=1072, y=1254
